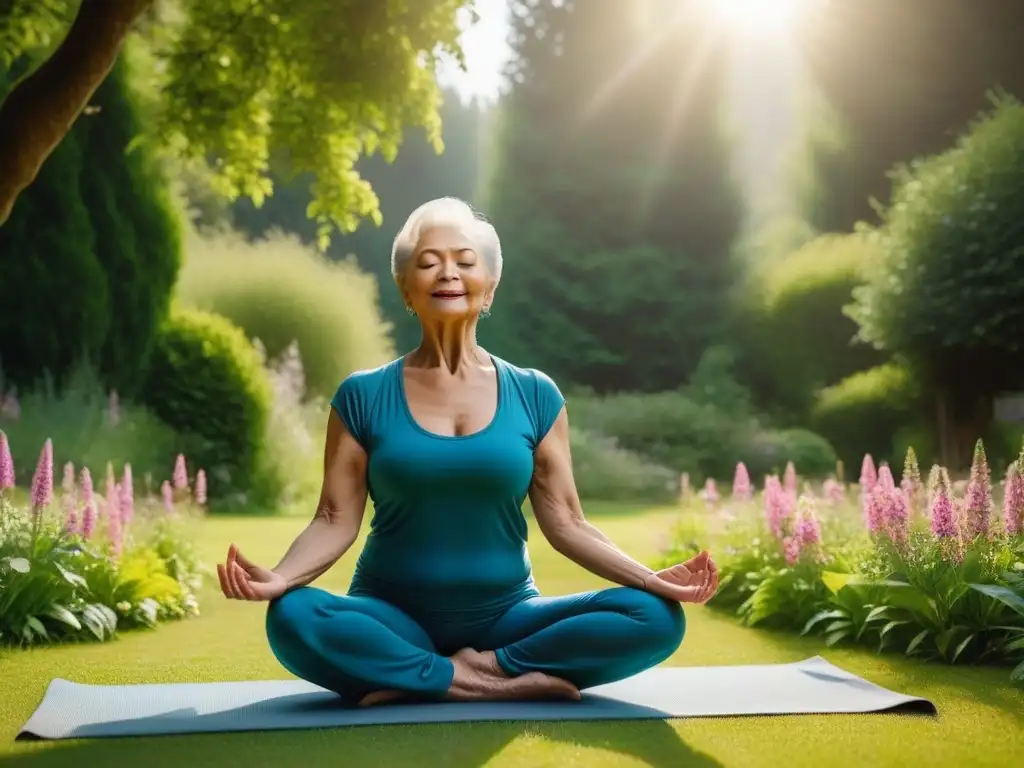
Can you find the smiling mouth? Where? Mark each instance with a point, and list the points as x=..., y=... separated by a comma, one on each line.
x=448, y=295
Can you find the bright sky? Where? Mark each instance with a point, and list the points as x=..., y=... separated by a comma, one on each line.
x=763, y=86
x=486, y=49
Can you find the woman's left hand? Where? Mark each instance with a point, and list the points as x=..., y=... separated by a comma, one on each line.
x=693, y=581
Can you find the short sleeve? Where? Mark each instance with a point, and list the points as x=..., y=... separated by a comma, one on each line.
x=547, y=404
x=352, y=403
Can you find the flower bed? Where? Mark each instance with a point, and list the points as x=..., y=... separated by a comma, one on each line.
x=103, y=562
x=929, y=569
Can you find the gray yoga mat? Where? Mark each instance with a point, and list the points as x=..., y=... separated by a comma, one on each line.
x=73, y=710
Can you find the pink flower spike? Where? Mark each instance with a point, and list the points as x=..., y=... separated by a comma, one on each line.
x=6, y=464
x=741, y=490
x=111, y=497
x=42, y=480
x=868, y=475
x=115, y=531
x=943, y=514
x=791, y=548
x=168, y=495
x=201, y=487
x=68, y=483
x=127, y=495
x=808, y=530
x=789, y=480
x=180, y=476
x=1013, y=501
x=978, y=509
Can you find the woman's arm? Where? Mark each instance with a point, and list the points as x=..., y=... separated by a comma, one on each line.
x=339, y=513
x=556, y=505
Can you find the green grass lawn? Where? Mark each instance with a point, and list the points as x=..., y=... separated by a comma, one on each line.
x=980, y=722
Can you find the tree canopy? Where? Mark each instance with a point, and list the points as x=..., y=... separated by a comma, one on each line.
x=947, y=290
x=309, y=86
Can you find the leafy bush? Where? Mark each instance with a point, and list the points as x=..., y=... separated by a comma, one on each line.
x=90, y=253
x=795, y=335
x=769, y=451
x=948, y=292
x=87, y=427
x=860, y=414
x=279, y=291
x=103, y=562
x=910, y=582
x=700, y=430
x=207, y=382
x=605, y=471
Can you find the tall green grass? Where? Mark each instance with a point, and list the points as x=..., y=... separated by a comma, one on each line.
x=280, y=291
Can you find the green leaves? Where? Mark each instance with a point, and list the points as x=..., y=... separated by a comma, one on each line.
x=17, y=564
x=949, y=290
x=312, y=86
x=1005, y=595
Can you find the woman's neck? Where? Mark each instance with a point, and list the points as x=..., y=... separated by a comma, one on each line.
x=451, y=346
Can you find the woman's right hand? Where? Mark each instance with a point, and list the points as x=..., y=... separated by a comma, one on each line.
x=241, y=579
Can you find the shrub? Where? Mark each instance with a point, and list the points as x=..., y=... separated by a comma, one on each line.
x=666, y=428
x=86, y=429
x=279, y=291
x=207, y=382
x=676, y=431
x=796, y=338
x=948, y=292
x=769, y=451
x=607, y=472
x=861, y=413
x=90, y=253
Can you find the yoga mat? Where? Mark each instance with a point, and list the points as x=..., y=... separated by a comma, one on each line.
x=73, y=710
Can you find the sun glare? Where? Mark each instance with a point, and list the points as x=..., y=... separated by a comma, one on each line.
x=760, y=16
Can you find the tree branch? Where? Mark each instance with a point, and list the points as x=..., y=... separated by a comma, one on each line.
x=40, y=110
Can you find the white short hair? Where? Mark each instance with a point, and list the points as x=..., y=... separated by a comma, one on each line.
x=447, y=212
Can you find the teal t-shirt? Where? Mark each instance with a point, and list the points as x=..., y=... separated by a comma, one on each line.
x=448, y=535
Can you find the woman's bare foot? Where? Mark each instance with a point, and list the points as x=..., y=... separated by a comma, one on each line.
x=479, y=677
x=380, y=697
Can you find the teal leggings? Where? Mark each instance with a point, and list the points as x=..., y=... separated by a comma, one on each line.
x=354, y=645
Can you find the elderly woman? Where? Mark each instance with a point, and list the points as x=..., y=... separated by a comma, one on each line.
x=448, y=441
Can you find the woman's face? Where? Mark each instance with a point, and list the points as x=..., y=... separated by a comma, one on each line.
x=446, y=278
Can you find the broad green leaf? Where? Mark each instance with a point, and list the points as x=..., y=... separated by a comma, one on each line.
x=835, y=581
x=62, y=614
x=821, y=616
x=71, y=577
x=1003, y=594
x=841, y=624
x=835, y=637
x=37, y=626
x=1018, y=672
x=918, y=639
x=877, y=613
x=19, y=564
x=960, y=648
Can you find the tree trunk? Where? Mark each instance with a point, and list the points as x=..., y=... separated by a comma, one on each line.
x=41, y=108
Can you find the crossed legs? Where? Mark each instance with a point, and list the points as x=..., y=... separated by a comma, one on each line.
x=361, y=645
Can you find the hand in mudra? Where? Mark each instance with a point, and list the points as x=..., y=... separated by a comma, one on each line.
x=694, y=581
x=241, y=579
